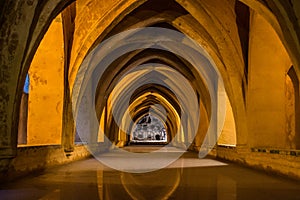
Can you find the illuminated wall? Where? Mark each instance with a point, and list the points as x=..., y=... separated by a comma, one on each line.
x=228, y=135
x=268, y=63
x=46, y=89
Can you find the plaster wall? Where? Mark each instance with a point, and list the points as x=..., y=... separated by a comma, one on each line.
x=268, y=62
x=46, y=89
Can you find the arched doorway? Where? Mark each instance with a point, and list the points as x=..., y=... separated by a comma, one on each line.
x=149, y=129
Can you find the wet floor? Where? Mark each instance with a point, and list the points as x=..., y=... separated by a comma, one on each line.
x=187, y=178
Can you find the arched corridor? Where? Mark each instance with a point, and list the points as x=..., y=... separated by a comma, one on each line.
x=151, y=80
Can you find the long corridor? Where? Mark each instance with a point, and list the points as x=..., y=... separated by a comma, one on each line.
x=186, y=178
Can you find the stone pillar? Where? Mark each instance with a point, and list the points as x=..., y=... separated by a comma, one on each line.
x=68, y=127
x=15, y=22
x=22, y=130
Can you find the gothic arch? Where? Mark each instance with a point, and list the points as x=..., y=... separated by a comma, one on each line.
x=40, y=14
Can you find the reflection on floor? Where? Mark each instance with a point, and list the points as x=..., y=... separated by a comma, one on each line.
x=187, y=178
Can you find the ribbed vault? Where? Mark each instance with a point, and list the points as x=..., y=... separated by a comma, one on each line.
x=88, y=23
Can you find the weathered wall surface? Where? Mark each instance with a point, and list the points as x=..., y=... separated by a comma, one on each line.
x=282, y=162
x=35, y=158
x=46, y=89
x=20, y=36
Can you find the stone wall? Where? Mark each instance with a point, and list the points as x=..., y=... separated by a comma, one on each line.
x=37, y=158
x=281, y=162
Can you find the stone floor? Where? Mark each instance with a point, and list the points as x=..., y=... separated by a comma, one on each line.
x=185, y=179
